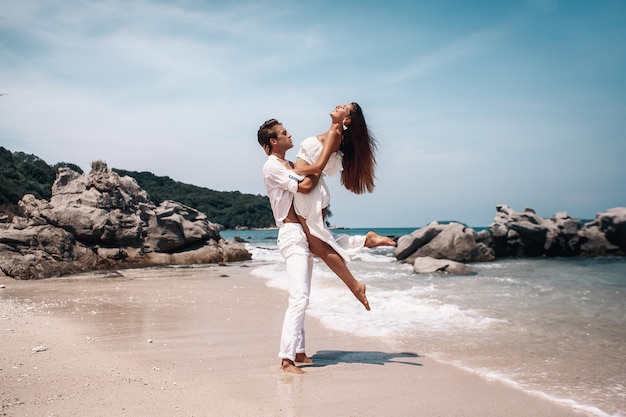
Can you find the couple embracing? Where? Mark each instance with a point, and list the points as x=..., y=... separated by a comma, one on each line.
x=300, y=198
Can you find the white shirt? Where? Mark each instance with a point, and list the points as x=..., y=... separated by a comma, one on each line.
x=281, y=184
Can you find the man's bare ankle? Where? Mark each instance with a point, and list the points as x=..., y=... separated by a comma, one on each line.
x=303, y=358
x=288, y=365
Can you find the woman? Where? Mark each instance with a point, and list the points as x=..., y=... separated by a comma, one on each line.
x=349, y=147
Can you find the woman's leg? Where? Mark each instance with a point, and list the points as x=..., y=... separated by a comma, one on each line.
x=373, y=239
x=336, y=263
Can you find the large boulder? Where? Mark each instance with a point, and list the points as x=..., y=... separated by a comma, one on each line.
x=606, y=235
x=173, y=226
x=518, y=234
x=40, y=251
x=408, y=244
x=453, y=241
x=562, y=238
x=613, y=223
x=102, y=220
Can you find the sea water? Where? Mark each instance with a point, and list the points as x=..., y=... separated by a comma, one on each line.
x=552, y=327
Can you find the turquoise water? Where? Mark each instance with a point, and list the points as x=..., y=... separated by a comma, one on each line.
x=261, y=236
x=553, y=327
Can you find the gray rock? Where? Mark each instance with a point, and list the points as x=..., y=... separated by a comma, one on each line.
x=606, y=235
x=613, y=224
x=172, y=226
x=514, y=234
x=453, y=241
x=562, y=238
x=408, y=244
x=527, y=234
x=428, y=265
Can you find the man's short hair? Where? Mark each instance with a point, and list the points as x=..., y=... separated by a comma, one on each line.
x=265, y=133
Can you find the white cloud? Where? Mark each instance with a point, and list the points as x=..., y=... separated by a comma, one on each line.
x=453, y=53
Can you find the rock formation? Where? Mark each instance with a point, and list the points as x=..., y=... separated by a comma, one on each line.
x=453, y=241
x=102, y=221
x=527, y=234
x=514, y=234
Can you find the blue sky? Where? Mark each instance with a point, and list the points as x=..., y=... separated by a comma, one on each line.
x=474, y=104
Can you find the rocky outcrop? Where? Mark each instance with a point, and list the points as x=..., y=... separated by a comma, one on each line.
x=606, y=235
x=101, y=221
x=514, y=234
x=453, y=241
x=527, y=234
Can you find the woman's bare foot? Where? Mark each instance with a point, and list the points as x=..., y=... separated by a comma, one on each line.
x=359, y=293
x=303, y=358
x=287, y=365
x=373, y=239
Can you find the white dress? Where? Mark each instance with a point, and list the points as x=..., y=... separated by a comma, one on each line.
x=310, y=205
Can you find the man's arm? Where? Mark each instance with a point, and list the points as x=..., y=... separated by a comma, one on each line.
x=308, y=183
x=330, y=145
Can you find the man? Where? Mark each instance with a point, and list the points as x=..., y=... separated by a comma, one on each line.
x=281, y=183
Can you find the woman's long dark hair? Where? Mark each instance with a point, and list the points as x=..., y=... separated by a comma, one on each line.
x=359, y=154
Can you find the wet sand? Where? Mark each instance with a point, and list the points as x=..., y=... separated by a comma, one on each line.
x=203, y=342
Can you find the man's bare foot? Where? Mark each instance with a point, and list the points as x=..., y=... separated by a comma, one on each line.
x=303, y=358
x=373, y=239
x=359, y=293
x=287, y=365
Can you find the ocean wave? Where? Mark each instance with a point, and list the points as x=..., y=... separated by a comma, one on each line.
x=394, y=312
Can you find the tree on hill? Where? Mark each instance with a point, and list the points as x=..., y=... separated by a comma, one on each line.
x=21, y=174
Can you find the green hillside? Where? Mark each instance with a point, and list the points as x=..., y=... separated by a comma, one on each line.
x=21, y=174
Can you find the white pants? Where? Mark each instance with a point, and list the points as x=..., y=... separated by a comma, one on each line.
x=294, y=247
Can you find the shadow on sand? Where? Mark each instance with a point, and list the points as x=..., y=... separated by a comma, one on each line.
x=335, y=357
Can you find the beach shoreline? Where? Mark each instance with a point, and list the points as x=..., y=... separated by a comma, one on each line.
x=200, y=341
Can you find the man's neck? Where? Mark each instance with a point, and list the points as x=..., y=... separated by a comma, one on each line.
x=279, y=155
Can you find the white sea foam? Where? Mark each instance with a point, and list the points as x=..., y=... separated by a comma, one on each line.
x=378, y=255
x=394, y=312
x=497, y=376
x=265, y=253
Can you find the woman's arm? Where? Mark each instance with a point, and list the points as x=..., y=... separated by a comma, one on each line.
x=331, y=145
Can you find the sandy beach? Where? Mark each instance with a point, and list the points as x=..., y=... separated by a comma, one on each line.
x=203, y=342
